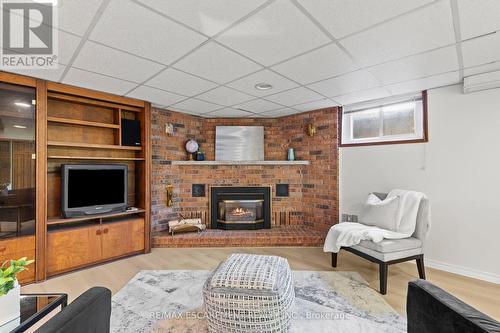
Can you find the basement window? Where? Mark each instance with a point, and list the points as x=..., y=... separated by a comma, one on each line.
x=401, y=119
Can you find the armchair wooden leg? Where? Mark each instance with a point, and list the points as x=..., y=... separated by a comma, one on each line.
x=383, y=267
x=334, y=259
x=421, y=268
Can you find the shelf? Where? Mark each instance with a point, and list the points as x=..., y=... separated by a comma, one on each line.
x=104, y=158
x=62, y=220
x=91, y=145
x=82, y=100
x=81, y=122
x=240, y=162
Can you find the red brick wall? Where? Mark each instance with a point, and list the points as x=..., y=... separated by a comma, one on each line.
x=313, y=199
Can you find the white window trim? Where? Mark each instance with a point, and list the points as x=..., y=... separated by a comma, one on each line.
x=419, y=135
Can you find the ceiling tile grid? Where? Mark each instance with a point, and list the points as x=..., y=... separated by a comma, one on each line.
x=205, y=57
x=277, y=32
x=145, y=33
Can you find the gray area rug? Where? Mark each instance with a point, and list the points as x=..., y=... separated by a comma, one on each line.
x=171, y=301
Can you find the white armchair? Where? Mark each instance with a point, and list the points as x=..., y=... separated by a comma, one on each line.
x=393, y=251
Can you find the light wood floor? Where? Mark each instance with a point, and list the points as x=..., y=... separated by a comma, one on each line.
x=481, y=295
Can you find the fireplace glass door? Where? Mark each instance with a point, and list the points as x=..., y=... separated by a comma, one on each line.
x=241, y=211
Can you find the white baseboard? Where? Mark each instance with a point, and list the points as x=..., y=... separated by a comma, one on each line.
x=460, y=270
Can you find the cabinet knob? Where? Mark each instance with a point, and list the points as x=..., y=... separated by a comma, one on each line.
x=98, y=232
x=2, y=248
x=105, y=230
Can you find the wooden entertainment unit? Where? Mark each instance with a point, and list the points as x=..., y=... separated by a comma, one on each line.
x=81, y=126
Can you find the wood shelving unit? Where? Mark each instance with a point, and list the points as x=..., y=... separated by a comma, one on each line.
x=91, y=145
x=82, y=122
x=77, y=125
x=95, y=158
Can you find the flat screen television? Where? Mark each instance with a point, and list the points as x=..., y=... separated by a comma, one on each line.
x=88, y=189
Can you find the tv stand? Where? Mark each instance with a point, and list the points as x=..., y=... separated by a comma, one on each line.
x=62, y=220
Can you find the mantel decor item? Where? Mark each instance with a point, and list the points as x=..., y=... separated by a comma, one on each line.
x=311, y=129
x=10, y=291
x=291, y=154
x=191, y=147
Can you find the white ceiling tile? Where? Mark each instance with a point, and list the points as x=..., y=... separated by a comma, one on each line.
x=180, y=82
x=224, y=96
x=320, y=64
x=344, y=17
x=50, y=74
x=425, y=83
x=294, y=96
x=208, y=17
x=425, y=29
x=227, y=112
x=414, y=67
x=67, y=46
x=196, y=106
x=156, y=96
x=275, y=33
x=354, y=81
x=321, y=104
x=149, y=35
x=362, y=96
x=258, y=105
x=481, y=69
x=76, y=15
x=478, y=17
x=108, y=61
x=95, y=81
x=279, y=113
x=482, y=50
x=216, y=63
x=247, y=84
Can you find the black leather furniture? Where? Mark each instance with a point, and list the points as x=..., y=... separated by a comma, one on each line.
x=432, y=310
x=89, y=313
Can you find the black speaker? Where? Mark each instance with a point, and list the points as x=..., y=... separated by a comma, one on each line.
x=198, y=190
x=282, y=190
x=131, y=132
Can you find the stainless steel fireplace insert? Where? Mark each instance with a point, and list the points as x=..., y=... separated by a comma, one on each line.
x=238, y=208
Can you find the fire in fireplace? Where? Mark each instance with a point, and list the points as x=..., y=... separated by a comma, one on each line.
x=240, y=211
x=240, y=207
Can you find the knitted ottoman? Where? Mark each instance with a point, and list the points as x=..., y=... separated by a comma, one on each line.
x=249, y=293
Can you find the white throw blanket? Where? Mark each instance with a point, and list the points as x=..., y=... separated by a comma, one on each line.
x=348, y=233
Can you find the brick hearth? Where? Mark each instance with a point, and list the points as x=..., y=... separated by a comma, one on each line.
x=277, y=236
x=300, y=219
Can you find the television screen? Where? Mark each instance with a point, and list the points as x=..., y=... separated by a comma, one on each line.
x=95, y=187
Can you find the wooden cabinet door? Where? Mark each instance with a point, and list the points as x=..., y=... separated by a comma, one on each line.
x=17, y=248
x=73, y=248
x=120, y=238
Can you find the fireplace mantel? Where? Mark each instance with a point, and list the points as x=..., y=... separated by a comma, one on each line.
x=240, y=162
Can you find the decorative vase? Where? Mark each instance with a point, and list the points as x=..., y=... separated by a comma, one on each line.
x=10, y=305
x=291, y=154
x=200, y=156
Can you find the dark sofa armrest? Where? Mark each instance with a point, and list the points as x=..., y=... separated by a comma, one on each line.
x=431, y=309
x=89, y=313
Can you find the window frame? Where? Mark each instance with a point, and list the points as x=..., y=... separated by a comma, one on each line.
x=425, y=131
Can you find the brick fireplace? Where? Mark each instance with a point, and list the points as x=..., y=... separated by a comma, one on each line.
x=301, y=215
x=240, y=208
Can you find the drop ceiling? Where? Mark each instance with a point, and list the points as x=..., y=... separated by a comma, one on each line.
x=205, y=57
